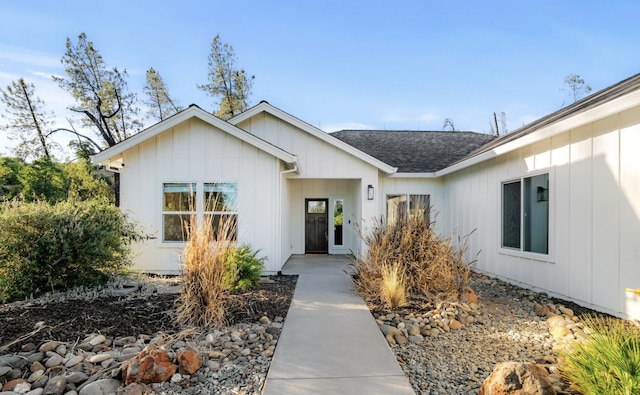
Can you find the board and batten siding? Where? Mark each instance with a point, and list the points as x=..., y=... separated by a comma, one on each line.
x=594, y=213
x=325, y=171
x=195, y=151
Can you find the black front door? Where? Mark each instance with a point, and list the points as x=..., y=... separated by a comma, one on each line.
x=316, y=226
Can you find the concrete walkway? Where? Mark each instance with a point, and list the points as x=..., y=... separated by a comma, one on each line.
x=330, y=343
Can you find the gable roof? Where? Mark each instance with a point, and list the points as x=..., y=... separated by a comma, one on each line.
x=415, y=151
x=193, y=111
x=365, y=156
x=614, y=99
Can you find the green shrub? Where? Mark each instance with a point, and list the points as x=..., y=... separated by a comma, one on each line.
x=608, y=362
x=47, y=247
x=243, y=268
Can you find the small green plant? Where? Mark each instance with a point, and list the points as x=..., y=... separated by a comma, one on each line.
x=608, y=362
x=243, y=268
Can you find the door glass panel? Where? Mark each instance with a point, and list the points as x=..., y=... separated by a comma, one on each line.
x=337, y=222
x=317, y=207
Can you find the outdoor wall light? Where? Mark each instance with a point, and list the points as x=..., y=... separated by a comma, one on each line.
x=370, y=192
x=542, y=194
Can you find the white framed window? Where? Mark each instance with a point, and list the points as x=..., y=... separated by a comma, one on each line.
x=408, y=206
x=181, y=201
x=178, y=204
x=525, y=214
x=221, y=202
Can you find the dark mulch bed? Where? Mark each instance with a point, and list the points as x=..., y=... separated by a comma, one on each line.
x=131, y=315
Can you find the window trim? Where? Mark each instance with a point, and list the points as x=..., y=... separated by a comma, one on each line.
x=199, y=208
x=549, y=257
x=163, y=212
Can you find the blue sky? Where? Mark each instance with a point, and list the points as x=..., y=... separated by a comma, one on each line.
x=339, y=64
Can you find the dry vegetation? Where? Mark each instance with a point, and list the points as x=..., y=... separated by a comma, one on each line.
x=409, y=257
x=201, y=301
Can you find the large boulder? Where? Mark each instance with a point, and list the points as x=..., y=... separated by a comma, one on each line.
x=516, y=378
x=150, y=366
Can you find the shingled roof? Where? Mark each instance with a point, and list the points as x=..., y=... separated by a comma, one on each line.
x=415, y=151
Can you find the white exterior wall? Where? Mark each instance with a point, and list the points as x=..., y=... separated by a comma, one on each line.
x=324, y=172
x=594, y=213
x=195, y=151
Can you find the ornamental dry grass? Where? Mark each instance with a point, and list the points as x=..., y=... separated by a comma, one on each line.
x=431, y=267
x=201, y=301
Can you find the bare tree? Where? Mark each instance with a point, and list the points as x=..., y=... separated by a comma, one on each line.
x=575, y=87
x=101, y=94
x=498, y=124
x=448, y=124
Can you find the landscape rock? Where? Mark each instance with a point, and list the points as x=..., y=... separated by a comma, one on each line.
x=468, y=295
x=189, y=361
x=455, y=324
x=150, y=366
x=11, y=384
x=101, y=387
x=515, y=378
x=55, y=386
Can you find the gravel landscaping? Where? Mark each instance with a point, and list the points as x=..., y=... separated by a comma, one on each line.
x=508, y=323
x=74, y=343
x=77, y=342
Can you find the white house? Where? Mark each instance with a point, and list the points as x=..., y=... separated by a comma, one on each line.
x=555, y=205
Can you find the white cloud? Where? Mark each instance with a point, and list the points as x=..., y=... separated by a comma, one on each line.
x=27, y=57
x=44, y=74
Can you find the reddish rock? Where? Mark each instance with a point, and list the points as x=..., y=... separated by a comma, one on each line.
x=188, y=361
x=516, y=378
x=10, y=385
x=150, y=366
x=468, y=295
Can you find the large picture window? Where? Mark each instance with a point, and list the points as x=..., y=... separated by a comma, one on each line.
x=178, y=203
x=525, y=214
x=398, y=209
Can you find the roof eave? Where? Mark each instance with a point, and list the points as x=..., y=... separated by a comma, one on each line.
x=192, y=112
x=413, y=175
x=561, y=125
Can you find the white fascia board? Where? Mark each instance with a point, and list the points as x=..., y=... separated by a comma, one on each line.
x=185, y=115
x=312, y=130
x=604, y=110
x=413, y=175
